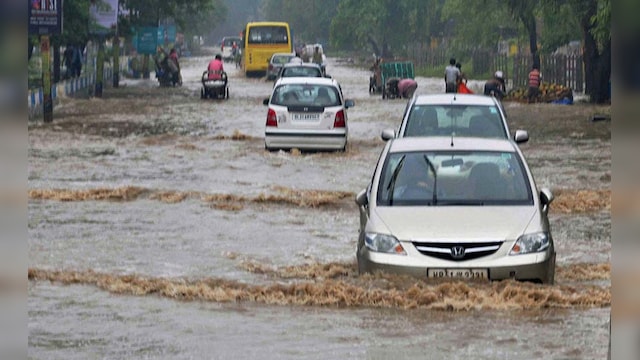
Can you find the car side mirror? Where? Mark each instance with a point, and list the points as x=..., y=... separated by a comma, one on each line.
x=521, y=136
x=265, y=102
x=388, y=134
x=349, y=103
x=546, y=197
x=362, y=199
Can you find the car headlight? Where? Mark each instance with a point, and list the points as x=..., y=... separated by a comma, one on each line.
x=383, y=243
x=530, y=243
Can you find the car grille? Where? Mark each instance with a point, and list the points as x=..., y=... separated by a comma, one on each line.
x=457, y=251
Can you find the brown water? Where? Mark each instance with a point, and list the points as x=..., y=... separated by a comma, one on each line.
x=160, y=228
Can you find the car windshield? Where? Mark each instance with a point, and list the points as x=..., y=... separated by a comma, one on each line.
x=306, y=94
x=301, y=71
x=461, y=120
x=453, y=178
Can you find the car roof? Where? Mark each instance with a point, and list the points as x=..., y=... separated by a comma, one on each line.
x=306, y=80
x=443, y=143
x=449, y=98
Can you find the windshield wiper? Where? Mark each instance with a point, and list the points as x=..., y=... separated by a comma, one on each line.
x=394, y=176
x=435, y=179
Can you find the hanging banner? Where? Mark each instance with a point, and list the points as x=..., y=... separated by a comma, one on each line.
x=45, y=17
x=146, y=40
x=166, y=35
x=103, y=16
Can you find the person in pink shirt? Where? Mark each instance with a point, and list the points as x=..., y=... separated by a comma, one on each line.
x=406, y=87
x=215, y=68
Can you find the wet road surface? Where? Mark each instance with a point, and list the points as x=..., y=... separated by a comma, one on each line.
x=159, y=227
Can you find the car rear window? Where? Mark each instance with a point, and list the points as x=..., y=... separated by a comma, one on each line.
x=443, y=120
x=281, y=59
x=301, y=71
x=306, y=94
x=229, y=41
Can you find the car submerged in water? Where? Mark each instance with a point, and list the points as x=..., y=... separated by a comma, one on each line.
x=453, y=207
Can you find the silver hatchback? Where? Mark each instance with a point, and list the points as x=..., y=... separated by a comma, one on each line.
x=449, y=207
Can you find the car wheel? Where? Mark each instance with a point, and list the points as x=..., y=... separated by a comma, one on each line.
x=227, y=93
x=202, y=94
x=384, y=94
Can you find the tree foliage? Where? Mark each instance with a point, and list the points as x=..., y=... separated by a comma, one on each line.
x=310, y=20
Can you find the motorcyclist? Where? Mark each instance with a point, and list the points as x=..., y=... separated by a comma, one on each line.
x=174, y=66
x=216, y=69
x=496, y=86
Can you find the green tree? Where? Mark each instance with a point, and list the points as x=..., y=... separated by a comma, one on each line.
x=310, y=20
x=594, y=19
x=479, y=23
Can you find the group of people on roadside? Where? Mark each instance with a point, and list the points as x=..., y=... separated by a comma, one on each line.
x=455, y=82
x=454, y=79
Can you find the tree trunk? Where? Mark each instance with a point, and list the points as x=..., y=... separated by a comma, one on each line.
x=529, y=22
x=55, y=43
x=597, y=65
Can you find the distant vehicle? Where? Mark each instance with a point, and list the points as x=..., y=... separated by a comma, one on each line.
x=261, y=41
x=307, y=113
x=300, y=70
x=276, y=62
x=226, y=46
x=453, y=207
x=467, y=115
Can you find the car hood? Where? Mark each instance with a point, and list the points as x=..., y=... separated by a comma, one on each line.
x=470, y=223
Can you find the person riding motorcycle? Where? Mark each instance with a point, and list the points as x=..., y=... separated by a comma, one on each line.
x=216, y=70
x=174, y=66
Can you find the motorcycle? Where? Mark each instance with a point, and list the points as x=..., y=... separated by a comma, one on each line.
x=168, y=73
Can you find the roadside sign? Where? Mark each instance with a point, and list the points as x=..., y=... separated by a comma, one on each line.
x=45, y=17
x=103, y=16
x=146, y=40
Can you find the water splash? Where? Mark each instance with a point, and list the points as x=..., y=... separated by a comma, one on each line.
x=332, y=287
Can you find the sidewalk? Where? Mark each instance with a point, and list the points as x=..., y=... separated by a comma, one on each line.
x=74, y=86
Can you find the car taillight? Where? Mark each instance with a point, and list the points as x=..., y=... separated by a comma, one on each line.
x=339, y=122
x=270, y=66
x=222, y=48
x=272, y=118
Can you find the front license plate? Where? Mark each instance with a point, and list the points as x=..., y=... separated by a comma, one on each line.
x=306, y=117
x=458, y=273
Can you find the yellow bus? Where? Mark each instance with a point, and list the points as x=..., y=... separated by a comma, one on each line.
x=261, y=40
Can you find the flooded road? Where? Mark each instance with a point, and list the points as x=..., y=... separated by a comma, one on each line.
x=159, y=227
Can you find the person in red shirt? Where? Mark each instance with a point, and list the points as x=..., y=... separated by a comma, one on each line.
x=215, y=68
x=534, y=84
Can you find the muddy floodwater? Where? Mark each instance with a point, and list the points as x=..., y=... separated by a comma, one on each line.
x=160, y=228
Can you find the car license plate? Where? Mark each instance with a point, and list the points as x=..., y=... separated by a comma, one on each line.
x=307, y=117
x=458, y=273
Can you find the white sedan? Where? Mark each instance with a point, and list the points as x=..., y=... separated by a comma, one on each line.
x=468, y=115
x=451, y=207
x=307, y=114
